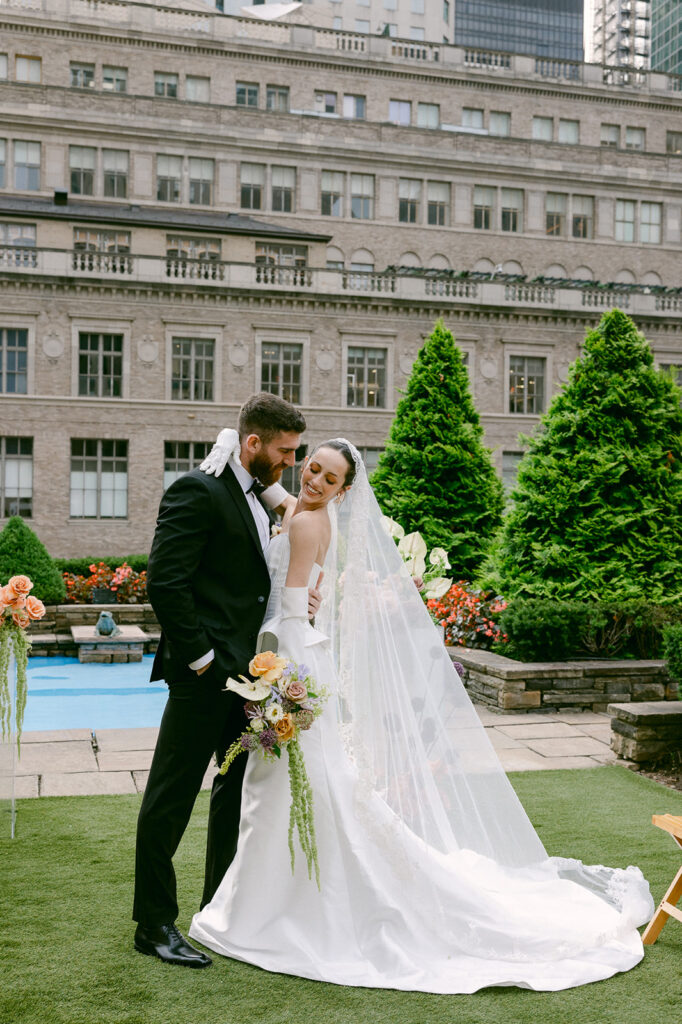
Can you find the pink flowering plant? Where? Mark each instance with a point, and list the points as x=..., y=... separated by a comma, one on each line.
x=283, y=701
x=18, y=608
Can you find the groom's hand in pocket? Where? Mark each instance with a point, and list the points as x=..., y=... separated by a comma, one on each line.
x=315, y=598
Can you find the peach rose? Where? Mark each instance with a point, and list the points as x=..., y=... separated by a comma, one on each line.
x=34, y=608
x=285, y=728
x=20, y=585
x=296, y=691
x=7, y=595
x=268, y=666
x=21, y=618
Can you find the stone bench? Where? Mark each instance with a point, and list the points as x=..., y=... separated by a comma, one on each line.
x=647, y=733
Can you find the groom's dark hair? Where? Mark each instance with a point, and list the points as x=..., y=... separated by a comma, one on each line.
x=268, y=415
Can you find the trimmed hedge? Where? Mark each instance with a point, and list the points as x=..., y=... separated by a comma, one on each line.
x=542, y=630
x=81, y=566
x=672, y=652
x=22, y=552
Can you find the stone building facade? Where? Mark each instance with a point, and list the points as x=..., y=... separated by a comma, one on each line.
x=195, y=206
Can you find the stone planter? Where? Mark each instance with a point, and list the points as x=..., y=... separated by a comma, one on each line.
x=647, y=733
x=102, y=595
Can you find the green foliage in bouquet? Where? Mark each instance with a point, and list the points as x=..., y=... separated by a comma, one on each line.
x=597, y=509
x=21, y=552
x=435, y=475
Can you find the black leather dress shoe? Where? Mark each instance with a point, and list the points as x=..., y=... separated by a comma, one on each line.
x=167, y=943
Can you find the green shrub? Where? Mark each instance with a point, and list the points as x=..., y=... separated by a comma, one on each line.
x=81, y=566
x=22, y=552
x=672, y=652
x=540, y=630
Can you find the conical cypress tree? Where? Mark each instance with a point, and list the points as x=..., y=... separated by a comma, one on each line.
x=435, y=475
x=597, y=508
x=22, y=553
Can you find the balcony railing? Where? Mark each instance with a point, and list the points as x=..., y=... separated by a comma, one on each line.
x=158, y=18
x=405, y=284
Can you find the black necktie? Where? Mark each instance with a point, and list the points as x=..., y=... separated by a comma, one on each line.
x=257, y=488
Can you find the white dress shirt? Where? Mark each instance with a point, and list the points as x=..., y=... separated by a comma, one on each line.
x=272, y=496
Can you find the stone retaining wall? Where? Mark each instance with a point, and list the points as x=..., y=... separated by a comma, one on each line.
x=52, y=634
x=562, y=685
x=647, y=733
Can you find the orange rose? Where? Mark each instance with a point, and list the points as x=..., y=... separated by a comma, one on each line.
x=267, y=665
x=7, y=595
x=34, y=608
x=21, y=618
x=20, y=585
x=285, y=728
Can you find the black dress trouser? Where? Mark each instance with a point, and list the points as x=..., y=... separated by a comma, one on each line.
x=200, y=719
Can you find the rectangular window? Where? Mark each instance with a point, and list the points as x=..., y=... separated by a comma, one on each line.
x=417, y=6
x=428, y=115
x=625, y=220
x=168, y=178
x=354, y=106
x=500, y=123
x=331, y=199
x=247, y=94
x=82, y=76
x=438, y=203
x=484, y=198
x=610, y=135
x=99, y=479
x=197, y=89
x=370, y=457
x=201, y=173
x=409, y=197
x=85, y=240
x=179, y=457
x=543, y=129
x=192, y=369
x=510, y=469
x=115, y=171
x=650, y=219
x=16, y=477
x=283, y=189
x=82, y=170
x=635, y=138
x=115, y=79
x=366, y=378
x=17, y=242
x=361, y=25
x=187, y=248
x=362, y=196
x=27, y=166
x=13, y=360
x=512, y=209
x=3, y=67
x=281, y=255
x=28, y=69
x=583, y=216
x=281, y=370
x=325, y=102
x=417, y=34
x=390, y=5
x=556, y=204
x=446, y=10
x=673, y=143
x=400, y=111
x=472, y=117
x=277, y=98
x=527, y=384
x=3, y=161
x=166, y=84
x=100, y=365
x=569, y=132
x=252, y=184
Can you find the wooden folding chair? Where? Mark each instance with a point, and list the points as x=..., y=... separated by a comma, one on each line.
x=667, y=907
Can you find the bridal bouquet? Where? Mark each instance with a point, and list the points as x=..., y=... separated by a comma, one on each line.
x=283, y=700
x=17, y=609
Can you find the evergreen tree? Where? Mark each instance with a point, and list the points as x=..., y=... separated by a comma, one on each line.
x=22, y=553
x=597, y=508
x=435, y=475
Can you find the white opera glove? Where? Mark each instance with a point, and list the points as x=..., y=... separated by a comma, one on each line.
x=227, y=444
x=274, y=496
x=295, y=603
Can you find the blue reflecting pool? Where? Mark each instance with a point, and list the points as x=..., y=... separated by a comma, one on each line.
x=63, y=694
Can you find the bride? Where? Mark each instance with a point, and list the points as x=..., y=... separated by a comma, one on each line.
x=432, y=877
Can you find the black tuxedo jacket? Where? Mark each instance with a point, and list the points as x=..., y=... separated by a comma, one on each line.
x=208, y=582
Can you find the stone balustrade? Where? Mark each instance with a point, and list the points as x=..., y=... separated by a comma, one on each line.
x=648, y=733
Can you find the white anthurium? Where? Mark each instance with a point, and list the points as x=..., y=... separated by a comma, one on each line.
x=248, y=688
x=437, y=588
x=392, y=528
x=439, y=556
x=413, y=549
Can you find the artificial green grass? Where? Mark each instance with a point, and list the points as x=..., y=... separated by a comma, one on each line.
x=66, y=954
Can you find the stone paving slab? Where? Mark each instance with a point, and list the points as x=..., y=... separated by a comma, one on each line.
x=55, y=735
x=87, y=783
x=568, y=763
x=521, y=760
x=488, y=717
x=582, y=717
x=500, y=741
x=69, y=756
x=124, y=760
x=127, y=739
x=547, y=730
x=575, y=746
x=598, y=732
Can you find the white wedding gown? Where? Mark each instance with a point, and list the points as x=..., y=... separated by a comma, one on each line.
x=394, y=912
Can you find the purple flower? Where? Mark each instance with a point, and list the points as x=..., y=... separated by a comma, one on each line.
x=268, y=738
x=303, y=671
x=252, y=710
x=304, y=719
x=248, y=741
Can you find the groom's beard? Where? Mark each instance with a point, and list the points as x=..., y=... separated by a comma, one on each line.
x=262, y=468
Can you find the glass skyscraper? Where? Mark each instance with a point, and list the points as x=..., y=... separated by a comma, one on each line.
x=666, y=36
x=540, y=28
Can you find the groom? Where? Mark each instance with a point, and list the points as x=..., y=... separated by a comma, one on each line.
x=208, y=584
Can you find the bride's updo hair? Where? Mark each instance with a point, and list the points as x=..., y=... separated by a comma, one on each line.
x=339, y=446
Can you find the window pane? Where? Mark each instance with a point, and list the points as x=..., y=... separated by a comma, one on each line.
x=569, y=132
x=543, y=129
x=500, y=123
